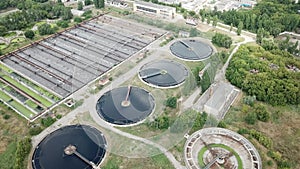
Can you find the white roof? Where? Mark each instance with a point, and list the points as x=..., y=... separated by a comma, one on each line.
x=152, y=5
x=219, y=96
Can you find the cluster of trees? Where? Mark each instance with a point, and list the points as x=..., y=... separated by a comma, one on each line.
x=257, y=112
x=99, y=4
x=274, y=16
x=264, y=74
x=222, y=40
x=46, y=29
x=23, y=149
x=161, y=122
x=32, y=12
x=9, y=4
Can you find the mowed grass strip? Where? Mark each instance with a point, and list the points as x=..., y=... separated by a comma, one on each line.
x=21, y=109
x=31, y=104
x=5, y=97
x=38, y=97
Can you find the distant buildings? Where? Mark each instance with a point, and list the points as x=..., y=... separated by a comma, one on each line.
x=154, y=9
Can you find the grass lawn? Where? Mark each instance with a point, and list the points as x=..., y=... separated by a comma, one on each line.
x=6, y=69
x=17, y=40
x=44, y=101
x=31, y=104
x=204, y=149
x=3, y=46
x=7, y=158
x=21, y=109
x=155, y=162
x=4, y=96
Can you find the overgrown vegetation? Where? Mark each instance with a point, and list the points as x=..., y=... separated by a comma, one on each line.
x=268, y=75
x=32, y=12
x=222, y=40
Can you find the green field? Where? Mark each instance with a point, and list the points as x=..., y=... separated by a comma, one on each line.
x=31, y=84
x=204, y=149
x=31, y=104
x=5, y=97
x=44, y=101
x=21, y=108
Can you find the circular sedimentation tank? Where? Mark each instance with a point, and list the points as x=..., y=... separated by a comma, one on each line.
x=125, y=105
x=163, y=74
x=191, y=50
x=215, y=147
x=76, y=147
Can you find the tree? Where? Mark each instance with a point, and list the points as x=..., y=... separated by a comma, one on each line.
x=79, y=5
x=77, y=19
x=96, y=3
x=101, y=3
x=87, y=2
x=240, y=27
x=67, y=14
x=45, y=29
x=208, y=20
x=205, y=81
x=222, y=40
x=231, y=27
x=251, y=118
x=215, y=21
x=171, y=102
x=262, y=113
x=3, y=30
x=29, y=34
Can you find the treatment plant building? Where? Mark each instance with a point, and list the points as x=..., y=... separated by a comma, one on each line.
x=154, y=9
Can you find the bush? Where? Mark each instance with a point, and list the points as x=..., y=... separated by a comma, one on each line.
x=222, y=40
x=262, y=113
x=58, y=116
x=6, y=116
x=62, y=24
x=23, y=149
x=33, y=131
x=222, y=124
x=249, y=100
x=77, y=19
x=251, y=118
x=161, y=122
x=29, y=34
x=48, y=121
x=171, y=102
x=46, y=29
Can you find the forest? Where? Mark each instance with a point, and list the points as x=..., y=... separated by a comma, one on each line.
x=271, y=76
x=31, y=12
x=275, y=16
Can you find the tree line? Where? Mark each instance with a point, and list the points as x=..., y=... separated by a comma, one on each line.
x=274, y=16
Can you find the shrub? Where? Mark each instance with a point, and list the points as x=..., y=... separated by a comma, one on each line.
x=77, y=19
x=46, y=29
x=251, y=118
x=171, y=102
x=222, y=40
x=29, y=34
x=35, y=130
x=48, y=121
x=6, y=116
